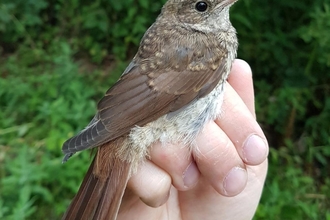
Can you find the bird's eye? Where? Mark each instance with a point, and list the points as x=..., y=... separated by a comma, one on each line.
x=201, y=6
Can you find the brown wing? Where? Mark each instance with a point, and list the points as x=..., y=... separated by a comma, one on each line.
x=151, y=87
x=138, y=99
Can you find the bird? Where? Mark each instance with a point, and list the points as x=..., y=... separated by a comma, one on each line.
x=172, y=87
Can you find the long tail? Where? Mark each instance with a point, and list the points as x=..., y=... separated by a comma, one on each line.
x=99, y=196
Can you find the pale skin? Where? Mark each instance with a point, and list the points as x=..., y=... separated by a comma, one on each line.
x=222, y=179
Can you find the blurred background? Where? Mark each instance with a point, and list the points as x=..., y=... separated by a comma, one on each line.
x=58, y=57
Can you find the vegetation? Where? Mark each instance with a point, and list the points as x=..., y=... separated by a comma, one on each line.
x=58, y=57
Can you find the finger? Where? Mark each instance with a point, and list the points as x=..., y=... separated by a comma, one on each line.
x=158, y=184
x=218, y=161
x=177, y=161
x=240, y=79
x=240, y=207
x=242, y=128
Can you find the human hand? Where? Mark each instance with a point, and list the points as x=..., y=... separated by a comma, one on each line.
x=222, y=179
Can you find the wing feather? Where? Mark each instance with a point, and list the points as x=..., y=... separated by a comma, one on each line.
x=149, y=89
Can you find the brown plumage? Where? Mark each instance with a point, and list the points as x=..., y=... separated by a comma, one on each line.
x=94, y=199
x=167, y=93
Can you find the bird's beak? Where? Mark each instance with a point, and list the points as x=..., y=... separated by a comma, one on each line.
x=226, y=3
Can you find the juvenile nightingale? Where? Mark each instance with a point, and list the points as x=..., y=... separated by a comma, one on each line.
x=171, y=89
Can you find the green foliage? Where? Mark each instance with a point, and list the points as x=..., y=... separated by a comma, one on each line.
x=289, y=192
x=30, y=180
x=95, y=27
x=56, y=58
x=18, y=17
x=287, y=45
x=44, y=99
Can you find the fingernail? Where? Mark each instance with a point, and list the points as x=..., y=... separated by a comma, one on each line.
x=254, y=150
x=190, y=175
x=235, y=181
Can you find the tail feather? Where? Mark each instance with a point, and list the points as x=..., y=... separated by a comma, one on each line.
x=99, y=198
x=110, y=202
